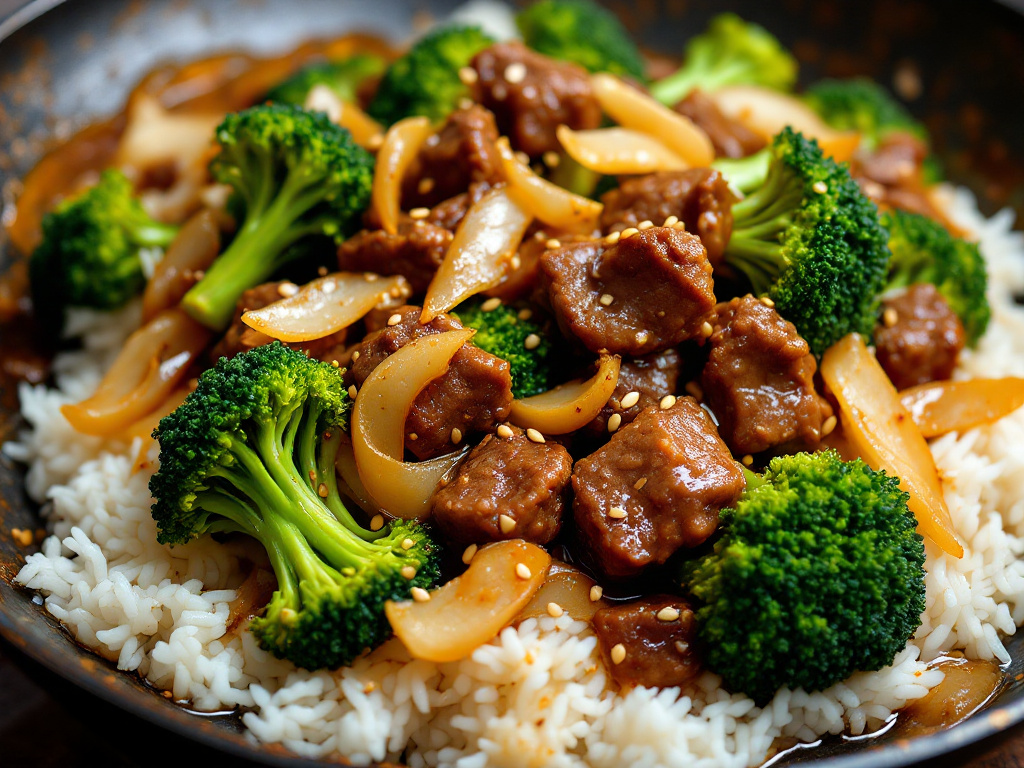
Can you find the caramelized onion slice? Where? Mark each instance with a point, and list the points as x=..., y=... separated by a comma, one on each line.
x=364, y=129
x=401, y=144
x=378, y=425
x=151, y=364
x=326, y=305
x=345, y=464
x=955, y=406
x=885, y=436
x=619, y=151
x=480, y=253
x=569, y=589
x=631, y=108
x=193, y=250
x=555, y=206
x=570, y=406
x=154, y=136
x=472, y=608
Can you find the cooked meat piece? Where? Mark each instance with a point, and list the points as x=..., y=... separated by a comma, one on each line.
x=658, y=634
x=505, y=476
x=759, y=379
x=646, y=293
x=651, y=378
x=892, y=174
x=473, y=396
x=699, y=197
x=669, y=473
x=460, y=154
x=920, y=338
x=729, y=137
x=415, y=251
x=531, y=95
x=449, y=214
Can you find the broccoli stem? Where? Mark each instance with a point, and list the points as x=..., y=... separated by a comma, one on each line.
x=154, y=234
x=696, y=73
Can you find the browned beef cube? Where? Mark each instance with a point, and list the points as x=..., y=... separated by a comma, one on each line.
x=730, y=138
x=920, y=339
x=655, y=487
x=657, y=634
x=646, y=293
x=531, y=95
x=759, y=379
x=651, y=378
x=415, y=251
x=508, y=476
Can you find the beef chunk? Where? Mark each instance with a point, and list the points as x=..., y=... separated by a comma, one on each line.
x=759, y=379
x=892, y=174
x=449, y=214
x=670, y=473
x=463, y=152
x=415, y=251
x=651, y=377
x=646, y=293
x=699, y=197
x=920, y=339
x=531, y=95
x=730, y=137
x=658, y=634
x=505, y=475
x=473, y=396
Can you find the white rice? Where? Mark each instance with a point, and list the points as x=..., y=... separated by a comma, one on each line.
x=538, y=693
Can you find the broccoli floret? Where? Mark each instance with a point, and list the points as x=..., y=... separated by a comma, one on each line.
x=89, y=254
x=425, y=81
x=862, y=105
x=746, y=173
x=343, y=77
x=582, y=32
x=818, y=573
x=810, y=240
x=252, y=451
x=295, y=175
x=503, y=332
x=923, y=251
x=731, y=52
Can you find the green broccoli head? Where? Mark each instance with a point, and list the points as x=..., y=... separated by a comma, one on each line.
x=89, y=254
x=582, y=32
x=923, y=251
x=862, y=105
x=809, y=239
x=295, y=175
x=818, y=573
x=425, y=81
x=343, y=77
x=731, y=52
x=252, y=451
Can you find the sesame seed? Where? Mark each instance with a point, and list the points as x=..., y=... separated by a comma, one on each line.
x=631, y=399
x=671, y=221
x=329, y=286
x=376, y=522
x=413, y=436
x=465, y=102
x=618, y=653
x=551, y=159
x=613, y=238
x=321, y=271
x=506, y=523
x=680, y=225
x=322, y=490
x=504, y=430
x=370, y=687
x=456, y=436
x=668, y=613
x=681, y=646
x=553, y=243
x=491, y=304
x=707, y=329
x=820, y=187
x=829, y=425
x=522, y=571
x=767, y=302
x=408, y=572
x=468, y=75
x=747, y=460
x=693, y=389
x=645, y=224
x=534, y=436
x=628, y=232
x=352, y=391
x=469, y=553
x=335, y=364
x=532, y=341
x=667, y=402
x=515, y=72
x=523, y=158
x=395, y=319
x=640, y=483
x=641, y=337
x=287, y=289
x=614, y=422
x=376, y=141
x=596, y=593
x=606, y=299
x=616, y=513
x=355, y=355
x=555, y=610
x=419, y=594
x=22, y=536
x=419, y=213
x=525, y=314
x=425, y=185
x=890, y=317
x=408, y=544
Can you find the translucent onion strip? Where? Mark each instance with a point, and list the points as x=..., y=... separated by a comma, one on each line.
x=352, y=485
x=619, y=151
x=632, y=109
x=326, y=305
x=378, y=425
x=192, y=251
x=956, y=406
x=364, y=129
x=569, y=407
x=401, y=144
x=153, y=361
x=555, y=206
x=884, y=435
x=481, y=252
x=154, y=135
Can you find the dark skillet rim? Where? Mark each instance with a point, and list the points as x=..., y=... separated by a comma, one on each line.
x=991, y=721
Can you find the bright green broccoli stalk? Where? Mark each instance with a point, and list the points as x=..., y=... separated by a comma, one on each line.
x=745, y=173
x=295, y=175
x=818, y=573
x=89, y=254
x=731, y=52
x=923, y=251
x=252, y=451
x=582, y=32
x=810, y=240
x=862, y=105
x=343, y=77
x=425, y=81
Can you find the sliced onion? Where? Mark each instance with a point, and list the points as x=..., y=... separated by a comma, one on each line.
x=631, y=108
x=570, y=406
x=193, y=250
x=481, y=252
x=378, y=425
x=326, y=305
x=766, y=112
x=142, y=429
x=883, y=433
x=472, y=608
x=345, y=464
x=401, y=144
x=364, y=129
x=555, y=206
x=154, y=136
x=956, y=406
x=619, y=151
x=569, y=589
x=151, y=364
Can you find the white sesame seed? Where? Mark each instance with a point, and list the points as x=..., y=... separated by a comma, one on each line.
x=555, y=610
x=468, y=75
x=645, y=224
x=628, y=232
x=667, y=402
x=425, y=185
x=419, y=213
x=515, y=72
x=820, y=187
x=596, y=593
x=287, y=289
x=551, y=159
x=606, y=299
x=465, y=102
x=336, y=364
x=890, y=317
x=321, y=271
x=523, y=158
x=640, y=483
x=630, y=399
x=491, y=304
x=614, y=422
x=408, y=572
x=532, y=341
x=456, y=436
x=408, y=544
x=613, y=238
x=522, y=571
x=767, y=302
x=641, y=337
x=829, y=426
x=525, y=314
x=419, y=594
x=668, y=613
x=616, y=513
x=322, y=490
x=504, y=430
x=553, y=243
x=370, y=687
x=376, y=522
x=747, y=460
x=329, y=286
x=355, y=355
x=376, y=141
x=413, y=436
x=469, y=553
x=618, y=653
x=681, y=646
x=395, y=319
x=707, y=329
x=534, y=436
x=352, y=391
x=506, y=523
x=671, y=221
